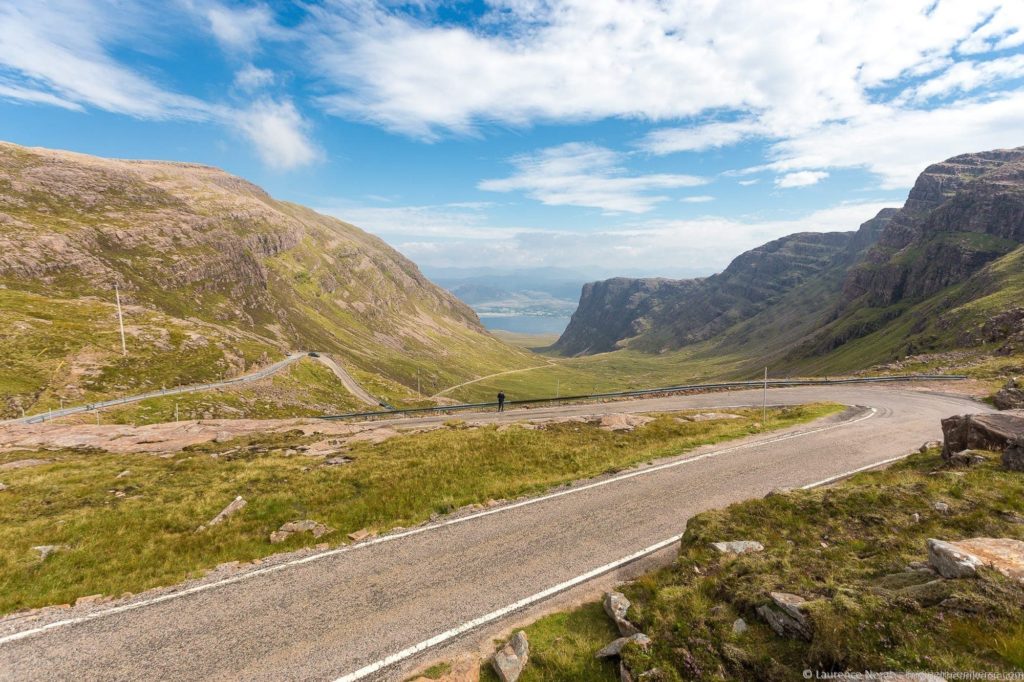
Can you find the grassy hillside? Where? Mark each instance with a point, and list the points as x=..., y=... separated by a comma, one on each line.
x=846, y=549
x=216, y=277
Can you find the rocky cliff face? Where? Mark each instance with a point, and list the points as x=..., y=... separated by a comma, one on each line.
x=194, y=243
x=660, y=314
x=949, y=257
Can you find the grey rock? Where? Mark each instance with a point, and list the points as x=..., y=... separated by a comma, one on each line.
x=950, y=561
x=236, y=505
x=335, y=461
x=915, y=517
x=23, y=464
x=738, y=546
x=1013, y=455
x=304, y=526
x=624, y=673
x=616, y=606
x=1010, y=396
x=965, y=458
x=616, y=647
x=940, y=507
x=928, y=445
x=786, y=617
x=509, y=661
x=785, y=490
x=739, y=626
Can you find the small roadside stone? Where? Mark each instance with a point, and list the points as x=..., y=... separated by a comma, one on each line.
x=91, y=599
x=509, y=661
x=739, y=626
x=615, y=648
x=738, y=546
x=775, y=492
x=965, y=458
x=616, y=605
x=305, y=526
x=361, y=534
x=928, y=445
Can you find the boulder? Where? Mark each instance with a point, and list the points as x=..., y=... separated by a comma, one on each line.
x=786, y=615
x=738, y=546
x=981, y=431
x=616, y=606
x=1010, y=396
x=622, y=422
x=510, y=660
x=950, y=561
x=304, y=526
x=1013, y=455
x=1005, y=555
x=615, y=648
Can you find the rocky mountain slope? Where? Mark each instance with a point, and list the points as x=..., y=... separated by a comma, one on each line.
x=662, y=314
x=216, y=276
x=932, y=275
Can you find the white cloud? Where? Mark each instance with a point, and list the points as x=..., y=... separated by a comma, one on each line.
x=747, y=183
x=578, y=174
x=968, y=76
x=699, y=199
x=699, y=138
x=279, y=133
x=898, y=144
x=250, y=78
x=800, y=179
x=789, y=65
x=240, y=29
x=448, y=236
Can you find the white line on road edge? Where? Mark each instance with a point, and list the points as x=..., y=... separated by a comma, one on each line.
x=494, y=615
x=416, y=531
x=830, y=479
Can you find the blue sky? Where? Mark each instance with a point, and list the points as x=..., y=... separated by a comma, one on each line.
x=612, y=137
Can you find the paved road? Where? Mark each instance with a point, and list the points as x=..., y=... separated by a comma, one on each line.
x=348, y=381
x=334, y=615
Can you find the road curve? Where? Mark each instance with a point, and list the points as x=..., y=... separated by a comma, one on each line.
x=347, y=380
x=329, y=617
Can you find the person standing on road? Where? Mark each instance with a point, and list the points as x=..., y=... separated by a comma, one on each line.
x=501, y=401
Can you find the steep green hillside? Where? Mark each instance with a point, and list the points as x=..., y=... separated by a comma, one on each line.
x=216, y=277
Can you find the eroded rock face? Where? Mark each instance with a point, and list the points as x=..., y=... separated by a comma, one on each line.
x=622, y=422
x=510, y=660
x=962, y=558
x=786, y=615
x=305, y=526
x=981, y=431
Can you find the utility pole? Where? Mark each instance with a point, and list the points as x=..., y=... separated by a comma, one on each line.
x=120, y=319
x=764, y=402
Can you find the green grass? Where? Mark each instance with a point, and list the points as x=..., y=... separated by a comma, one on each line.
x=846, y=549
x=147, y=537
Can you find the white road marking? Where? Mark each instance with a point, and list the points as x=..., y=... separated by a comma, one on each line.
x=416, y=531
x=830, y=479
x=494, y=615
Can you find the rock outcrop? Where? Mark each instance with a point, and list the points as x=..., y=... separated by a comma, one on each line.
x=1010, y=396
x=981, y=431
x=963, y=558
x=786, y=615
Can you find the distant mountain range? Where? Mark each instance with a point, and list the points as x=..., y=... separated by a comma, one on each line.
x=931, y=275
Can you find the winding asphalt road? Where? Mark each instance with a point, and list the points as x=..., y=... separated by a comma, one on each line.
x=342, y=613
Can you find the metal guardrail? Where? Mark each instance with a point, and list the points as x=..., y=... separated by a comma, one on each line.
x=652, y=391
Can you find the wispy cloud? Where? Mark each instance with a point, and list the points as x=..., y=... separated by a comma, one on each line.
x=580, y=174
x=800, y=179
